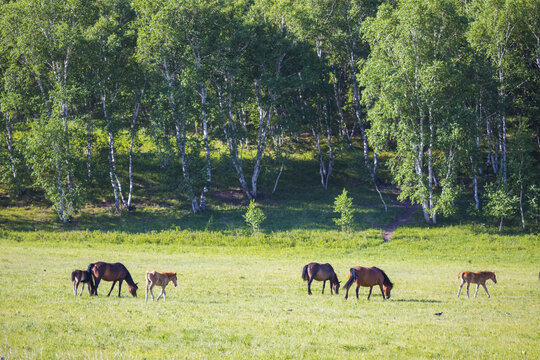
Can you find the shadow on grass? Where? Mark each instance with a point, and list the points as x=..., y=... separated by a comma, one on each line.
x=418, y=301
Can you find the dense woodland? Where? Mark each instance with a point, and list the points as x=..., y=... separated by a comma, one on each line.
x=441, y=94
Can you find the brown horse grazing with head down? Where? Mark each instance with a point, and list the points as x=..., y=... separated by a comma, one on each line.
x=320, y=272
x=112, y=272
x=82, y=277
x=478, y=278
x=369, y=277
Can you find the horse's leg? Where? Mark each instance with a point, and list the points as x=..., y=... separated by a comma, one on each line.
x=82, y=288
x=357, y=288
x=370, y=289
x=324, y=283
x=161, y=293
x=460, y=287
x=468, y=284
x=75, y=288
x=120, y=287
x=147, y=286
x=309, y=286
x=476, y=292
x=151, y=292
x=112, y=287
x=98, y=280
x=347, y=294
x=382, y=292
x=485, y=288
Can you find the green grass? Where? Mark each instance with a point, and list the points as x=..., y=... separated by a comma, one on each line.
x=242, y=297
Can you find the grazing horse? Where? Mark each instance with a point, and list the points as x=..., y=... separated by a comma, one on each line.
x=84, y=277
x=320, y=272
x=369, y=277
x=154, y=278
x=478, y=278
x=112, y=272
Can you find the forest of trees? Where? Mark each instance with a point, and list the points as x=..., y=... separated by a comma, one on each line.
x=448, y=89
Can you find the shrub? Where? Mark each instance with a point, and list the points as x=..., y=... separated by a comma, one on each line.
x=343, y=205
x=254, y=216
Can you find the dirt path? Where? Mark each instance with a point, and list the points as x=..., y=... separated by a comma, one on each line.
x=402, y=219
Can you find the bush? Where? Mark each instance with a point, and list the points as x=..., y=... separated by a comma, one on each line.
x=254, y=216
x=343, y=205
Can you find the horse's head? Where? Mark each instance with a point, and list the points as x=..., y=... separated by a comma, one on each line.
x=387, y=289
x=335, y=284
x=173, y=279
x=494, y=278
x=133, y=290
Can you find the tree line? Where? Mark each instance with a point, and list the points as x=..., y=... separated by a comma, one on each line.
x=447, y=88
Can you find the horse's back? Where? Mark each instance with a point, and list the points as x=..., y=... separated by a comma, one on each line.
x=368, y=276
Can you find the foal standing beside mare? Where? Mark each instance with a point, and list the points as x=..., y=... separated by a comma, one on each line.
x=112, y=272
x=82, y=277
x=369, y=277
x=478, y=278
x=154, y=278
x=320, y=272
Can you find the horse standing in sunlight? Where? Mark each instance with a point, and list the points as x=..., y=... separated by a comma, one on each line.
x=82, y=277
x=369, y=277
x=478, y=278
x=154, y=278
x=320, y=272
x=112, y=272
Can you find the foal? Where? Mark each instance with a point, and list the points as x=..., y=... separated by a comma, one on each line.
x=478, y=278
x=320, y=272
x=84, y=277
x=160, y=279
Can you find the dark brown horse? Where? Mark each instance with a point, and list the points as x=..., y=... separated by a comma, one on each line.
x=320, y=272
x=369, y=277
x=112, y=272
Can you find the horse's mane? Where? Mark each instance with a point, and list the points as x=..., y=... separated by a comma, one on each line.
x=386, y=280
x=129, y=279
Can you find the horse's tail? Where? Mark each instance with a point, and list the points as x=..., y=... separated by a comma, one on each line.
x=305, y=276
x=90, y=268
x=73, y=275
x=386, y=280
x=352, y=278
x=460, y=275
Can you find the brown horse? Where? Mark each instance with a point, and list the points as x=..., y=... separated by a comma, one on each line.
x=112, y=272
x=320, y=272
x=369, y=277
x=82, y=277
x=478, y=278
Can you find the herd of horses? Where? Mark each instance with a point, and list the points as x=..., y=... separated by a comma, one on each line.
x=373, y=276
x=362, y=276
x=117, y=272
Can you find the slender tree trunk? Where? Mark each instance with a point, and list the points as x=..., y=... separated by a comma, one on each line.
x=12, y=160
x=229, y=129
x=277, y=178
x=180, y=137
x=89, y=148
x=206, y=148
x=132, y=128
x=358, y=113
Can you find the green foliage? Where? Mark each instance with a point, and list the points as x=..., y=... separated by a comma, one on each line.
x=343, y=205
x=254, y=216
x=500, y=203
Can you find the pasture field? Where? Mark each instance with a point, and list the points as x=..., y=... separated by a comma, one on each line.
x=243, y=297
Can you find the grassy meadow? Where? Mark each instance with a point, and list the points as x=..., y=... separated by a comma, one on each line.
x=241, y=296
x=245, y=300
